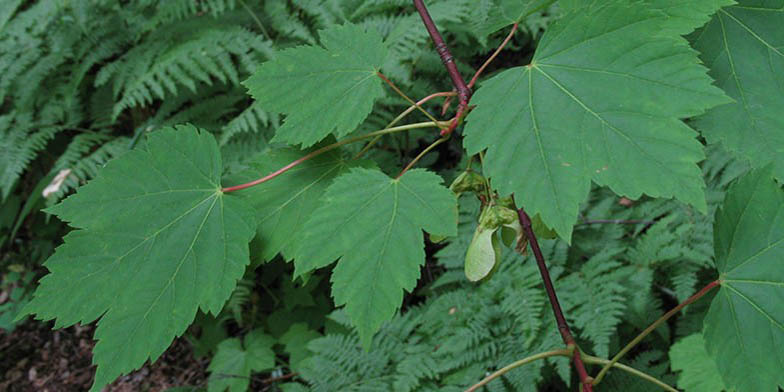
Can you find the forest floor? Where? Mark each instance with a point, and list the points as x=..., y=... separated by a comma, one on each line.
x=36, y=358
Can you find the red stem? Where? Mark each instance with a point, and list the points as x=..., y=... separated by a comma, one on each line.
x=279, y=171
x=563, y=326
x=463, y=92
x=493, y=56
x=652, y=327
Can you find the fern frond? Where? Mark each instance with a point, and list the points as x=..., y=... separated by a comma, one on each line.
x=252, y=120
x=285, y=21
x=157, y=68
x=239, y=298
x=595, y=299
x=20, y=142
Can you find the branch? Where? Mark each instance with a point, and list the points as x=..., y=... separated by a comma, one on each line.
x=563, y=326
x=463, y=92
x=652, y=327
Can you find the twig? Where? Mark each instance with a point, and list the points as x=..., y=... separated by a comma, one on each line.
x=500, y=372
x=652, y=327
x=493, y=56
x=568, y=353
x=270, y=380
x=601, y=361
x=563, y=326
x=421, y=154
x=402, y=94
x=401, y=116
x=463, y=92
x=328, y=148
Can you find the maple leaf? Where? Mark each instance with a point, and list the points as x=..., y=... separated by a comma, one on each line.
x=744, y=326
x=157, y=240
x=683, y=16
x=373, y=224
x=601, y=102
x=743, y=46
x=322, y=90
x=234, y=361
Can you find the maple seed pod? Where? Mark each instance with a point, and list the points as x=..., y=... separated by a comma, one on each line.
x=484, y=254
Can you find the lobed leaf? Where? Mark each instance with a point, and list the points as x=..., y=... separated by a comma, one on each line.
x=322, y=90
x=744, y=327
x=157, y=240
x=234, y=361
x=284, y=204
x=601, y=102
x=373, y=224
x=684, y=16
x=743, y=46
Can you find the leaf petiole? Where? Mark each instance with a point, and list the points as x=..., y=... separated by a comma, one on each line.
x=437, y=124
x=652, y=327
x=401, y=116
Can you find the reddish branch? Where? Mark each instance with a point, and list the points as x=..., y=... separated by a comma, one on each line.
x=563, y=326
x=463, y=92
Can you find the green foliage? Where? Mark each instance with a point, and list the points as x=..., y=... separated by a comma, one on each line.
x=234, y=361
x=143, y=208
x=307, y=82
x=698, y=370
x=742, y=45
x=749, y=241
x=284, y=205
x=378, y=241
x=94, y=91
x=602, y=80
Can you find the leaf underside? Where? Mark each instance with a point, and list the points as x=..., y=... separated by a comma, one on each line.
x=322, y=90
x=744, y=327
x=601, y=102
x=157, y=240
x=373, y=224
x=743, y=46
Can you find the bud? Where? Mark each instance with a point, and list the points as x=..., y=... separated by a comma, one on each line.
x=468, y=181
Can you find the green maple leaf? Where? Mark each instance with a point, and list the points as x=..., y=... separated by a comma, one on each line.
x=234, y=362
x=157, y=241
x=744, y=48
x=744, y=326
x=285, y=203
x=373, y=224
x=683, y=16
x=698, y=371
x=506, y=13
x=322, y=90
x=295, y=341
x=601, y=102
